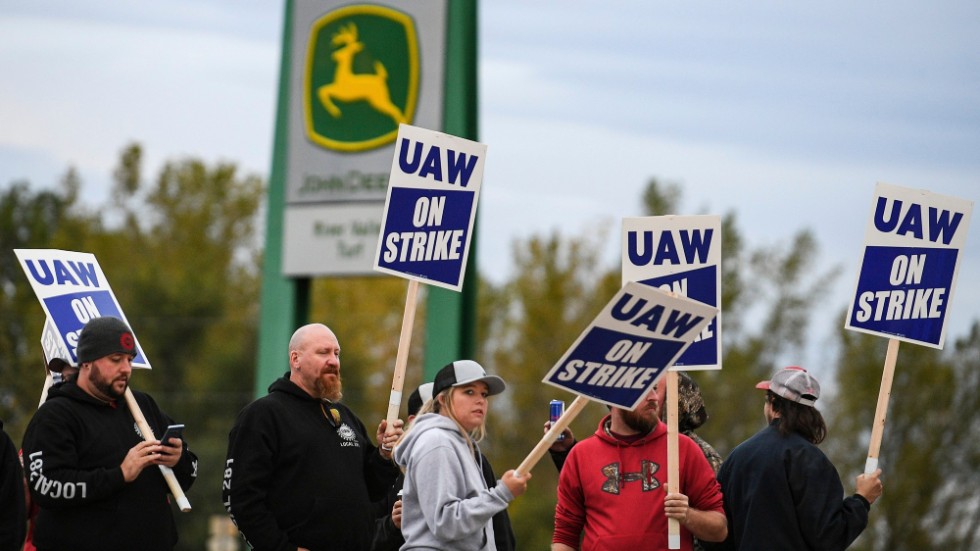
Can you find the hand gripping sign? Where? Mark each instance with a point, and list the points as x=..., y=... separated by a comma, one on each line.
x=681, y=255
x=72, y=290
x=638, y=335
x=912, y=250
x=428, y=221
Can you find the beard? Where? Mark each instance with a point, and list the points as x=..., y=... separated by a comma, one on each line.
x=641, y=420
x=104, y=386
x=329, y=387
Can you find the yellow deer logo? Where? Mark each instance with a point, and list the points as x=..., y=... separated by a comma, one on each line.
x=348, y=86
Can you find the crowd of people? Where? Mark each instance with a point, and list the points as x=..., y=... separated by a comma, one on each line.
x=303, y=472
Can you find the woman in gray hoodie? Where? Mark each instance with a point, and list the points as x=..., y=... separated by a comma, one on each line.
x=445, y=501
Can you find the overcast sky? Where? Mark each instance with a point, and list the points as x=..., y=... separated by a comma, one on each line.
x=785, y=113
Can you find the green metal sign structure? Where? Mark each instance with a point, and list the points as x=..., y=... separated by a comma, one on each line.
x=349, y=74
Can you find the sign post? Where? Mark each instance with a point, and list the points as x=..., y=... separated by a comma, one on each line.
x=905, y=284
x=73, y=290
x=428, y=221
x=680, y=255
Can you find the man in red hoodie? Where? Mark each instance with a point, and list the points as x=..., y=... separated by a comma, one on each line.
x=614, y=487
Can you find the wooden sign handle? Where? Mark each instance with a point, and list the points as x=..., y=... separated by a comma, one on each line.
x=549, y=437
x=401, y=358
x=884, y=394
x=673, y=475
x=168, y=473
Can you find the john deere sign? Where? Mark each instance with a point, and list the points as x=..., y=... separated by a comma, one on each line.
x=357, y=72
x=362, y=77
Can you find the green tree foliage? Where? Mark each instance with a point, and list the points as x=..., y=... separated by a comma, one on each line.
x=929, y=454
x=767, y=295
x=30, y=220
x=764, y=328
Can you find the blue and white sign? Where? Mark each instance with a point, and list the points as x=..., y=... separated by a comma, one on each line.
x=680, y=255
x=73, y=290
x=431, y=207
x=52, y=345
x=638, y=335
x=911, y=257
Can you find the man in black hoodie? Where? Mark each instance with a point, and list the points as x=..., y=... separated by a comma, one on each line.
x=301, y=472
x=94, y=476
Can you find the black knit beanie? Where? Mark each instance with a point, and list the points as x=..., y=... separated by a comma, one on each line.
x=104, y=336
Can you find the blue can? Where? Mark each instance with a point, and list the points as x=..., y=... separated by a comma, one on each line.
x=556, y=410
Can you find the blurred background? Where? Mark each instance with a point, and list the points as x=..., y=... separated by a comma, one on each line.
x=142, y=133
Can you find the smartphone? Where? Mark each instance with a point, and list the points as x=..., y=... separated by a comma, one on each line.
x=173, y=431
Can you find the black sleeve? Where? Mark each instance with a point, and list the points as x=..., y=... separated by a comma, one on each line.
x=13, y=522
x=379, y=473
x=186, y=468
x=503, y=532
x=827, y=520
x=249, y=467
x=387, y=536
x=729, y=543
x=51, y=460
x=558, y=458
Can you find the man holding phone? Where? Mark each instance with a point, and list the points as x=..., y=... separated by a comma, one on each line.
x=95, y=478
x=173, y=431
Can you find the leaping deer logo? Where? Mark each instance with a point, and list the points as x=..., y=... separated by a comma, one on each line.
x=348, y=86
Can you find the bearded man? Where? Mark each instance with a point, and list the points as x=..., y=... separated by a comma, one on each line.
x=301, y=472
x=613, y=487
x=89, y=469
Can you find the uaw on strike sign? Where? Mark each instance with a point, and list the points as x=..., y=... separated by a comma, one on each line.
x=638, y=335
x=73, y=290
x=680, y=255
x=431, y=207
x=912, y=250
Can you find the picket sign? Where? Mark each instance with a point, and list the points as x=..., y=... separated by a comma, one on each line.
x=633, y=344
x=401, y=357
x=912, y=247
x=48, y=381
x=680, y=255
x=673, y=457
x=884, y=394
x=427, y=226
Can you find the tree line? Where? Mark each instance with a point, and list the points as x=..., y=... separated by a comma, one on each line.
x=183, y=254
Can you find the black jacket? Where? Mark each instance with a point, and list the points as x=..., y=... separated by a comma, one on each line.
x=294, y=479
x=73, y=449
x=781, y=492
x=13, y=521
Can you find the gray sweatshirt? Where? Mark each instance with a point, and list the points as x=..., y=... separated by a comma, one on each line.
x=445, y=501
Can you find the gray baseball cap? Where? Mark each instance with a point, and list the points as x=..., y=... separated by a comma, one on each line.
x=462, y=372
x=793, y=383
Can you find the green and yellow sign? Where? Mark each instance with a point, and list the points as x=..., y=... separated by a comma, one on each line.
x=361, y=78
x=357, y=70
